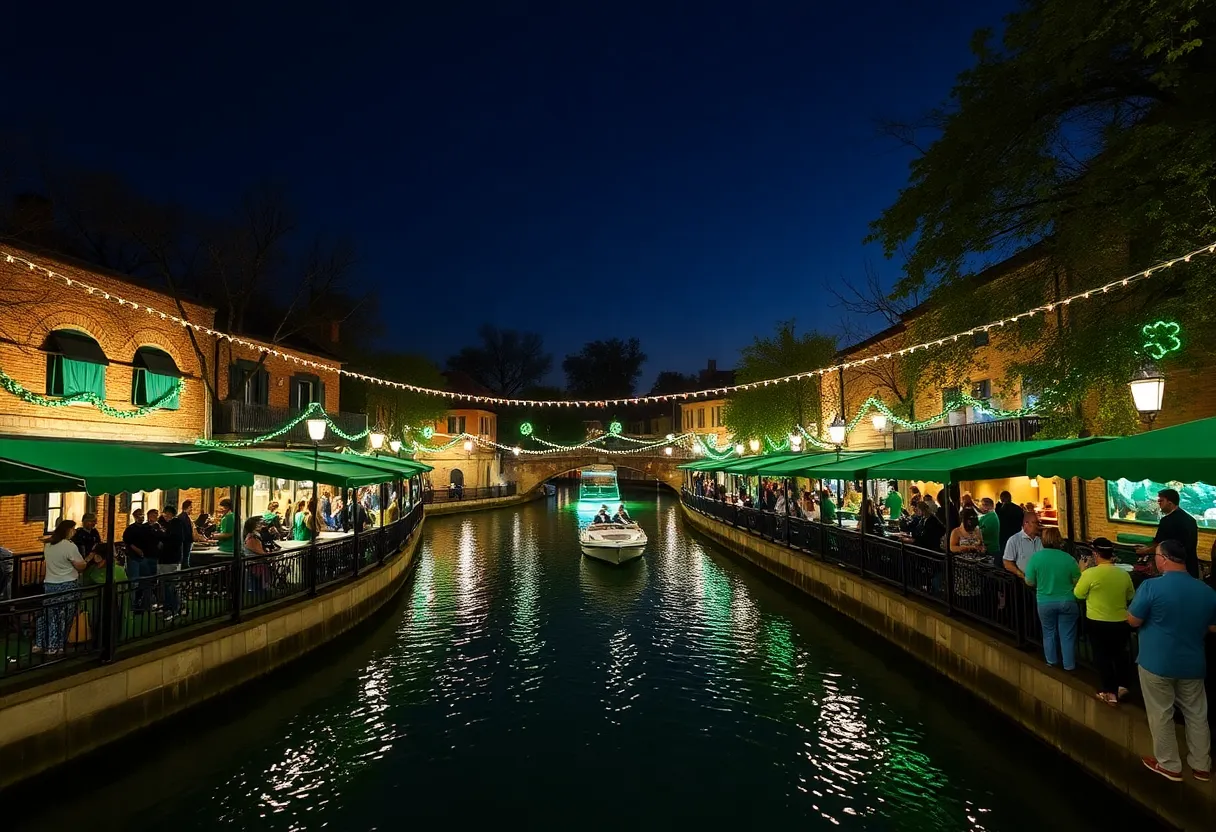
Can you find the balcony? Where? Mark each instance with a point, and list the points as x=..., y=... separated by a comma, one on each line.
x=237, y=419
x=963, y=436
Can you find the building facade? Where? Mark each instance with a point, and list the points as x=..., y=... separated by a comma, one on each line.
x=467, y=463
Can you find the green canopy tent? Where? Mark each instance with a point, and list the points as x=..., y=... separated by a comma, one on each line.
x=20, y=479
x=287, y=465
x=805, y=465
x=708, y=464
x=106, y=468
x=749, y=465
x=997, y=460
x=393, y=467
x=1185, y=453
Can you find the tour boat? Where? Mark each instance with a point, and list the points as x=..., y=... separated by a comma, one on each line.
x=612, y=542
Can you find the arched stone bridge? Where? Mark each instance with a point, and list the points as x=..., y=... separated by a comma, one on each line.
x=529, y=471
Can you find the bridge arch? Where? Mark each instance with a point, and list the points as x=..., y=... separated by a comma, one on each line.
x=530, y=472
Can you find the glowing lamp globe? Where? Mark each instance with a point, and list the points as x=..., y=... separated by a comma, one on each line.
x=376, y=439
x=880, y=422
x=468, y=445
x=516, y=450
x=394, y=445
x=836, y=431
x=1148, y=389
x=316, y=429
x=739, y=448
x=754, y=444
x=667, y=450
x=671, y=437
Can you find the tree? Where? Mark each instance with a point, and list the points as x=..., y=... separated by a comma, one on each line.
x=1087, y=132
x=506, y=361
x=670, y=381
x=775, y=410
x=391, y=409
x=604, y=369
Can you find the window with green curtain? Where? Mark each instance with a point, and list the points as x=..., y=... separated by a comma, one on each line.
x=150, y=386
x=67, y=377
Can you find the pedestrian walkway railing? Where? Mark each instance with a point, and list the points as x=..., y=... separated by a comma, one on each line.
x=445, y=495
x=969, y=587
x=51, y=629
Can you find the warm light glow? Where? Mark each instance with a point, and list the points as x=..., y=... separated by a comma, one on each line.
x=394, y=445
x=1034, y=482
x=836, y=431
x=754, y=444
x=516, y=450
x=316, y=429
x=671, y=437
x=795, y=439
x=1148, y=389
x=376, y=439
x=880, y=421
x=667, y=450
x=468, y=445
x=739, y=448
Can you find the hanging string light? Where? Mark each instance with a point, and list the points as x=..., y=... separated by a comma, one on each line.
x=16, y=258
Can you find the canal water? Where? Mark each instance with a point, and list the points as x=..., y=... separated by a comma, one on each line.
x=519, y=685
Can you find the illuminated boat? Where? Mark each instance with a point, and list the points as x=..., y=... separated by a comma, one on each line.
x=612, y=542
x=597, y=484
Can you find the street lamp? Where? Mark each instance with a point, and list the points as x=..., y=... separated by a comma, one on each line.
x=316, y=429
x=468, y=445
x=836, y=432
x=376, y=438
x=739, y=448
x=394, y=445
x=667, y=450
x=880, y=421
x=754, y=444
x=795, y=442
x=1148, y=389
x=516, y=450
x=316, y=432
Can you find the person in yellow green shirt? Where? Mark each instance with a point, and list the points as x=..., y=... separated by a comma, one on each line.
x=1106, y=590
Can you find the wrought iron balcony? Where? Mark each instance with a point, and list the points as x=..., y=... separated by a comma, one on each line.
x=237, y=419
x=963, y=436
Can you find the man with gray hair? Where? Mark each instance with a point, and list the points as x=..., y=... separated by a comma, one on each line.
x=1174, y=613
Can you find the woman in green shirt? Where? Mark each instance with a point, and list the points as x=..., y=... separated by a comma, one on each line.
x=1053, y=573
x=1106, y=590
x=299, y=527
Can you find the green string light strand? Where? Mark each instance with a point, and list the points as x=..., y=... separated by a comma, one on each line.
x=314, y=410
x=17, y=389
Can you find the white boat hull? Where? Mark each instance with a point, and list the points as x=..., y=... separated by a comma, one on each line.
x=612, y=544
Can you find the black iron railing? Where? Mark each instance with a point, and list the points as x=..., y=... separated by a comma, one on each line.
x=450, y=494
x=233, y=418
x=48, y=629
x=963, y=436
x=961, y=586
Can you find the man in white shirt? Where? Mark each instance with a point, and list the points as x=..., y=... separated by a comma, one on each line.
x=1022, y=545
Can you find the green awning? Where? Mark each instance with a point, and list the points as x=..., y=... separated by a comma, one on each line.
x=287, y=465
x=858, y=466
x=106, y=468
x=806, y=465
x=392, y=468
x=709, y=464
x=747, y=465
x=1183, y=453
x=978, y=462
x=18, y=479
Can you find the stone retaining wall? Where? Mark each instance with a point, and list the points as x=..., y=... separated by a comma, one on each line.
x=461, y=506
x=49, y=724
x=1056, y=707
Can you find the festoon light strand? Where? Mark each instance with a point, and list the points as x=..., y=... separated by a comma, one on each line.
x=16, y=258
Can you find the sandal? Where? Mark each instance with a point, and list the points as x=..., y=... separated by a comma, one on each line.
x=1108, y=698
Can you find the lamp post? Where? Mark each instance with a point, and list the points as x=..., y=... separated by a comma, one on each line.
x=836, y=434
x=1148, y=389
x=880, y=425
x=316, y=432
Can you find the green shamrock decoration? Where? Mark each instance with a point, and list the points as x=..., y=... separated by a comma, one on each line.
x=526, y=428
x=1161, y=338
x=615, y=428
x=428, y=432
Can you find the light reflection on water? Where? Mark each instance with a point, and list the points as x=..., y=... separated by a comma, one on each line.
x=525, y=683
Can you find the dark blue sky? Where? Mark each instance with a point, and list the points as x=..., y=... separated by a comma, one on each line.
x=688, y=173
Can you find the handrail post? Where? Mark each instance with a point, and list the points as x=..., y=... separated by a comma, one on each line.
x=110, y=619
x=238, y=555
x=903, y=565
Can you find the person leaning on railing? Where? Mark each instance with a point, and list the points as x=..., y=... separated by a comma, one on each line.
x=1053, y=573
x=1106, y=590
x=63, y=567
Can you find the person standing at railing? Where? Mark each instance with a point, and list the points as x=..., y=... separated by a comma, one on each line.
x=1023, y=545
x=990, y=530
x=227, y=522
x=299, y=529
x=1054, y=573
x=1010, y=515
x=87, y=537
x=894, y=501
x=1174, y=613
x=177, y=537
x=6, y=573
x=1178, y=525
x=63, y=567
x=1106, y=590
x=827, y=508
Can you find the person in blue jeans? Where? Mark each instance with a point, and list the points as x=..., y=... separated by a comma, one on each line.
x=63, y=567
x=1053, y=573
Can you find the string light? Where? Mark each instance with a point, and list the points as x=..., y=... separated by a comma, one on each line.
x=88, y=397
x=11, y=257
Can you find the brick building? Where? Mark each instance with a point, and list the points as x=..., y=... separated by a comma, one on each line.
x=56, y=340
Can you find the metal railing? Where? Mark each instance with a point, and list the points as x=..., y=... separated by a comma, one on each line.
x=234, y=418
x=446, y=495
x=963, y=436
x=45, y=630
x=964, y=586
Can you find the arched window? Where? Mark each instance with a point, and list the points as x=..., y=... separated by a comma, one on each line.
x=457, y=477
x=156, y=374
x=74, y=364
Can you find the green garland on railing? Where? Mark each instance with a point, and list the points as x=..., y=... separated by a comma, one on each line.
x=958, y=402
x=13, y=386
x=314, y=410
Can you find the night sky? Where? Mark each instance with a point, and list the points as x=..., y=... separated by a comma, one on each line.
x=688, y=173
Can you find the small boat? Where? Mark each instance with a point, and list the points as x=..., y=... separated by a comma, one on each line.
x=612, y=542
